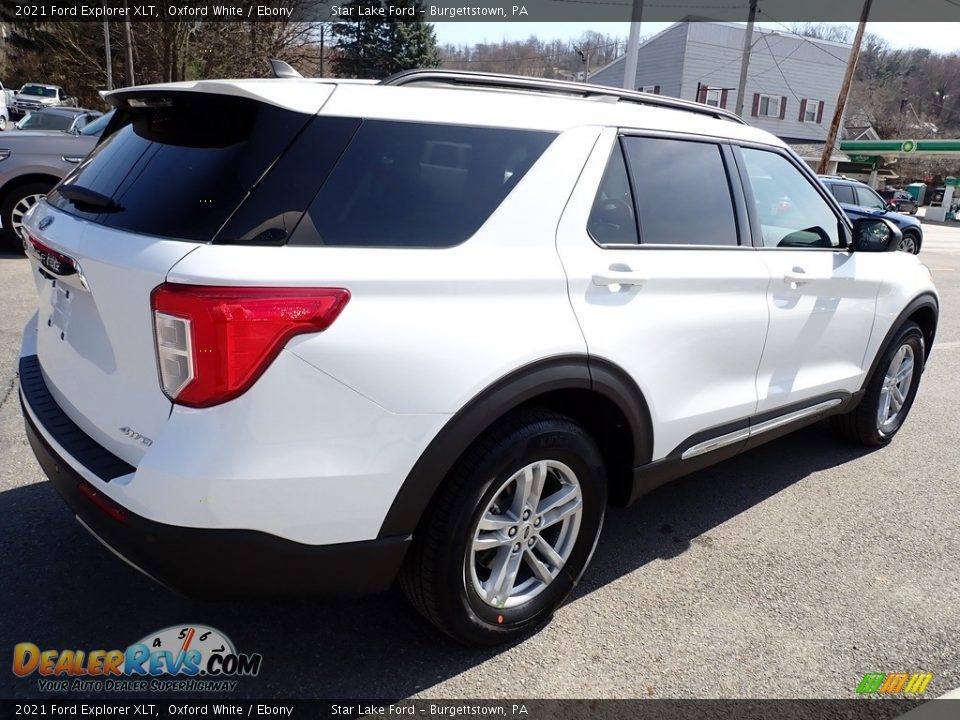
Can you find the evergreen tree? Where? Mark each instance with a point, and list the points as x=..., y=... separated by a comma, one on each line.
x=376, y=48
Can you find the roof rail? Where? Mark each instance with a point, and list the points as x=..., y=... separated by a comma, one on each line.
x=468, y=78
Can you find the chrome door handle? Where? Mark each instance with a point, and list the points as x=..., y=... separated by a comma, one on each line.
x=618, y=277
x=71, y=159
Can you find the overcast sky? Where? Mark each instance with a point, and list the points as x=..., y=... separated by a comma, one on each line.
x=942, y=37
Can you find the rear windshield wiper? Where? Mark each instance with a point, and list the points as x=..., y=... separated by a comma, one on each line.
x=85, y=198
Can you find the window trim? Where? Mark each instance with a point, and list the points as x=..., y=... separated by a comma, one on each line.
x=845, y=226
x=742, y=225
x=811, y=107
x=776, y=115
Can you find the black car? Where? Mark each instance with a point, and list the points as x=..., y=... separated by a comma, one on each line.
x=901, y=199
x=66, y=119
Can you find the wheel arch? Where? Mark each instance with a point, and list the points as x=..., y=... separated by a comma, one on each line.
x=597, y=394
x=26, y=179
x=924, y=310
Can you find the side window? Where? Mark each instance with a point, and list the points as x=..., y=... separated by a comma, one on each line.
x=612, y=221
x=792, y=213
x=869, y=199
x=408, y=184
x=844, y=194
x=681, y=191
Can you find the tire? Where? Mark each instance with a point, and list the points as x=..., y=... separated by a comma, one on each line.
x=453, y=585
x=863, y=424
x=11, y=207
x=3, y=123
x=910, y=243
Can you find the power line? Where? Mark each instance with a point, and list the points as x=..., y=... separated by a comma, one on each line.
x=806, y=39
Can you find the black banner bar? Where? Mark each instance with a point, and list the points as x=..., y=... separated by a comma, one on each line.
x=475, y=10
x=853, y=709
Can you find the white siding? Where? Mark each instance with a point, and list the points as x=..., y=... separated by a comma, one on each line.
x=780, y=65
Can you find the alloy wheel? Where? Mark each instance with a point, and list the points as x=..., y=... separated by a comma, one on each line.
x=895, y=388
x=526, y=534
x=21, y=209
x=908, y=244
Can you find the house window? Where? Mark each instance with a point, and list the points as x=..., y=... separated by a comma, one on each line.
x=652, y=89
x=810, y=110
x=713, y=97
x=769, y=106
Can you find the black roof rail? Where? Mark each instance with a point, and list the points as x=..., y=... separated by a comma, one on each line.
x=469, y=78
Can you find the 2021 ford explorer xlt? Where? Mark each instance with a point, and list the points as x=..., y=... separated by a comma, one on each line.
x=428, y=329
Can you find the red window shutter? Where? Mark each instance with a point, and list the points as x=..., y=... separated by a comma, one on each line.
x=756, y=105
x=803, y=109
x=723, y=99
x=820, y=112
x=783, y=107
x=702, y=94
x=656, y=90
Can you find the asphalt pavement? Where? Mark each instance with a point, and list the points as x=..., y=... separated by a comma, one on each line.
x=788, y=572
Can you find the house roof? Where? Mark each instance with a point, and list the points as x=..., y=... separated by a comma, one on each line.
x=742, y=26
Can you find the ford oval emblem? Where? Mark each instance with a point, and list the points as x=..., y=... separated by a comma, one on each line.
x=46, y=222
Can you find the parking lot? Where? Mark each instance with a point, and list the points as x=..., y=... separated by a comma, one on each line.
x=790, y=571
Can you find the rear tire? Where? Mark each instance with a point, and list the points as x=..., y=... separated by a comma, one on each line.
x=14, y=206
x=490, y=562
x=890, y=393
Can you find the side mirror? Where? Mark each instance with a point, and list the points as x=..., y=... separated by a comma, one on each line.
x=875, y=235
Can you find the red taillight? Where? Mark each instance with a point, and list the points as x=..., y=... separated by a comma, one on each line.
x=214, y=342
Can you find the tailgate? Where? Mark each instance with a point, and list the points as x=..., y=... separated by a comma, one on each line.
x=95, y=339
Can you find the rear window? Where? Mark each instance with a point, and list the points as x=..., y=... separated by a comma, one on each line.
x=179, y=168
x=843, y=193
x=402, y=184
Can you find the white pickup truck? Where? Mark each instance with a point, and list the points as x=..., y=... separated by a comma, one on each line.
x=6, y=102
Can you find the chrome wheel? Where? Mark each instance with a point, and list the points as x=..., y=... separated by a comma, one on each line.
x=908, y=244
x=526, y=534
x=20, y=209
x=895, y=388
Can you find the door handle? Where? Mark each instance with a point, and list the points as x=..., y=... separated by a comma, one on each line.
x=71, y=159
x=796, y=277
x=618, y=277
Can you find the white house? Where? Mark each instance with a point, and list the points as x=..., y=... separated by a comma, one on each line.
x=792, y=83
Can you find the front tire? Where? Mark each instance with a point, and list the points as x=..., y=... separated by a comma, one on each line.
x=510, y=531
x=889, y=394
x=14, y=206
x=910, y=243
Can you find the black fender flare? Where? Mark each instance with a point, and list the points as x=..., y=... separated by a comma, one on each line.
x=924, y=300
x=567, y=372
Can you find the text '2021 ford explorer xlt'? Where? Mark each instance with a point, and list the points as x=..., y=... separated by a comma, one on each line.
x=429, y=328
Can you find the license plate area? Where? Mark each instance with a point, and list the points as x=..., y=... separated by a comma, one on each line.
x=60, y=306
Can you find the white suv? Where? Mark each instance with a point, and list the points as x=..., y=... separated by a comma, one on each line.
x=310, y=335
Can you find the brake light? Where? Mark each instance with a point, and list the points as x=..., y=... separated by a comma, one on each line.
x=214, y=342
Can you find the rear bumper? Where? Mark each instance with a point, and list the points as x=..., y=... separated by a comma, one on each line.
x=197, y=561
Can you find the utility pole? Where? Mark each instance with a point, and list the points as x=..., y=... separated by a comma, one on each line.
x=745, y=61
x=322, y=28
x=633, y=47
x=844, y=91
x=585, y=59
x=128, y=39
x=106, y=46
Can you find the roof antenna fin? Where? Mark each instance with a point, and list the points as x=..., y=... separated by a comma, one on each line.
x=283, y=70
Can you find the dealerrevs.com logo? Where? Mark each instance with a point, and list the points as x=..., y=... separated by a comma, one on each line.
x=181, y=658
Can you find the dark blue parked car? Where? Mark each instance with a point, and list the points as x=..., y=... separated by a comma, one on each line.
x=859, y=200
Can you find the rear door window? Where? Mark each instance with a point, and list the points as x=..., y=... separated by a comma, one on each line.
x=179, y=167
x=844, y=194
x=682, y=192
x=405, y=184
